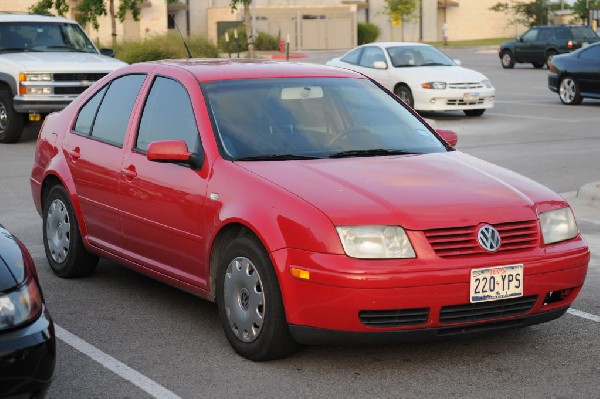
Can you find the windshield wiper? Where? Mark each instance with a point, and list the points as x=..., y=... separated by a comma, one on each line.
x=369, y=153
x=13, y=50
x=434, y=64
x=67, y=48
x=276, y=157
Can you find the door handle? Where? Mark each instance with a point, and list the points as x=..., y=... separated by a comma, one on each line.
x=75, y=153
x=129, y=172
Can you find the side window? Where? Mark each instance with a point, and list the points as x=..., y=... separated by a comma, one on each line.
x=353, y=56
x=115, y=109
x=87, y=114
x=370, y=55
x=546, y=34
x=530, y=35
x=167, y=115
x=562, y=34
x=591, y=53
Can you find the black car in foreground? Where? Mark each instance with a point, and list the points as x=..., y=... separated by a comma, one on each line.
x=27, y=340
x=540, y=43
x=576, y=75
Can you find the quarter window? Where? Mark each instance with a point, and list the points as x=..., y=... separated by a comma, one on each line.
x=87, y=114
x=167, y=115
x=353, y=56
x=115, y=109
x=370, y=56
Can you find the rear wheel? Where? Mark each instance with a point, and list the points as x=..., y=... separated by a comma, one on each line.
x=11, y=122
x=507, y=60
x=549, y=55
x=474, y=112
x=403, y=91
x=62, y=240
x=250, y=304
x=568, y=91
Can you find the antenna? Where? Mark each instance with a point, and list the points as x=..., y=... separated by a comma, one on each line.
x=180, y=35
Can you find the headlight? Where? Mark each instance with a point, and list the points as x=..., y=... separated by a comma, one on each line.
x=35, y=77
x=375, y=242
x=20, y=306
x=434, y=85
x=487, y=83
x=558, y=225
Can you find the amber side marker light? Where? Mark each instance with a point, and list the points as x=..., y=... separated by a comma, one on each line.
x=300, y=273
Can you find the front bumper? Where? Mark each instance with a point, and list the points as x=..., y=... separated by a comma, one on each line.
x=553, y=82
x=453, y=99
x=41, y=104
x=415, y=301
x=27, y=358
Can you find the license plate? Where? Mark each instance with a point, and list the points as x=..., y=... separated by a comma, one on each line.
x=471, y=97
x=493, y=283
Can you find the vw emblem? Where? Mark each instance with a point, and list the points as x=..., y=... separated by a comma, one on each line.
x=488, y=238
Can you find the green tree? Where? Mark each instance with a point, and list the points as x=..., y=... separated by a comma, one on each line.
x=247, y=22
x=402, y=10
x=92, y=9
x=580, y=7
x=527, y=13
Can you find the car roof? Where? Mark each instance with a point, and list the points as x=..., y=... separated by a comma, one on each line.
x=206, y=70
x=397, y=44
x=24, y=17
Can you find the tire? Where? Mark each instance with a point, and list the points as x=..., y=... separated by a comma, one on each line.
x=549, y=55
x=62, y=240
x=507, y=59
x=250, y=304
x=404, y=93
x=11, y=122
x=568, y=91
x=538, y=65
x=474, y=112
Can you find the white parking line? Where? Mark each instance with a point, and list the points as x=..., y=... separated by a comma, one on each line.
x=584, y=315
x=120, y=369
x=534, y=117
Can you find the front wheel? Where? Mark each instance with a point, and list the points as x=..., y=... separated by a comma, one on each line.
x=62, y=241
x=403, y=91
x=11, y=122
x=507, y=59
x=250, y=304
x=474, y=112
x=568, y=91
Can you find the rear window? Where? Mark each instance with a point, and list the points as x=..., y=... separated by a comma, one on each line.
x=583, y=33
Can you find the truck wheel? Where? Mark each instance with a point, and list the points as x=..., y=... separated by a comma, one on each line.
x=11, y=123
x=507, y=60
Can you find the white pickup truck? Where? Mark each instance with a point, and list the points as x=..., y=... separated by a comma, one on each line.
x=45, y=62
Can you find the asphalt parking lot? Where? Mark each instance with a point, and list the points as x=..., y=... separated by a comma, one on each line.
x=123, y=335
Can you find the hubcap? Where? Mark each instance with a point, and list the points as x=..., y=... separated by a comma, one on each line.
x=3, y=118
x=506, y=59
x=58, y=231
x=567, y=90
x=244, y=299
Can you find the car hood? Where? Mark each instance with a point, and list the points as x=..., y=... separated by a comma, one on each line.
x=449, y=74
x=62, y=61
x=12, y=268
x=417, y=192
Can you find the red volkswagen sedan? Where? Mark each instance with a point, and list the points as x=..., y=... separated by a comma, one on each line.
x=309, y=203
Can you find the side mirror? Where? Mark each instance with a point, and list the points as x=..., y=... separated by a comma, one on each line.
x=449, y=136
x=172, y=151
x=107, y=52
x=380, y=65
x=519, y=39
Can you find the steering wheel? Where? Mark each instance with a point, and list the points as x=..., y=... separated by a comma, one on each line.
x=349, y=131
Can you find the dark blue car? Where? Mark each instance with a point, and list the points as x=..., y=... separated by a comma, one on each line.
x=576, y=76
x=27, y=340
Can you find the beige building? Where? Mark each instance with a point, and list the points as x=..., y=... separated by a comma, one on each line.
x=309, y=24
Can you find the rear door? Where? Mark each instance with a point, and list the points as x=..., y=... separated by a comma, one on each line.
x=94, y=152
x=589, y=75
x=162, y=203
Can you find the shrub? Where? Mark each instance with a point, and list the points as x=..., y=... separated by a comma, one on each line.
x=262, y=42
x=266, y=42
x=367, y=33
x=168, y=46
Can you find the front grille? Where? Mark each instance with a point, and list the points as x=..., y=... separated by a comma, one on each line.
x=78, y=77
x=486, y=310
x=460, y=101
x=394, y=317
x=69, y=90
x=465, y=86
x=462, y=241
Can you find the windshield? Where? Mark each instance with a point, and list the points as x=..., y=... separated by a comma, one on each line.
x=414, y=56
x=279, y=119
x=43, y=36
